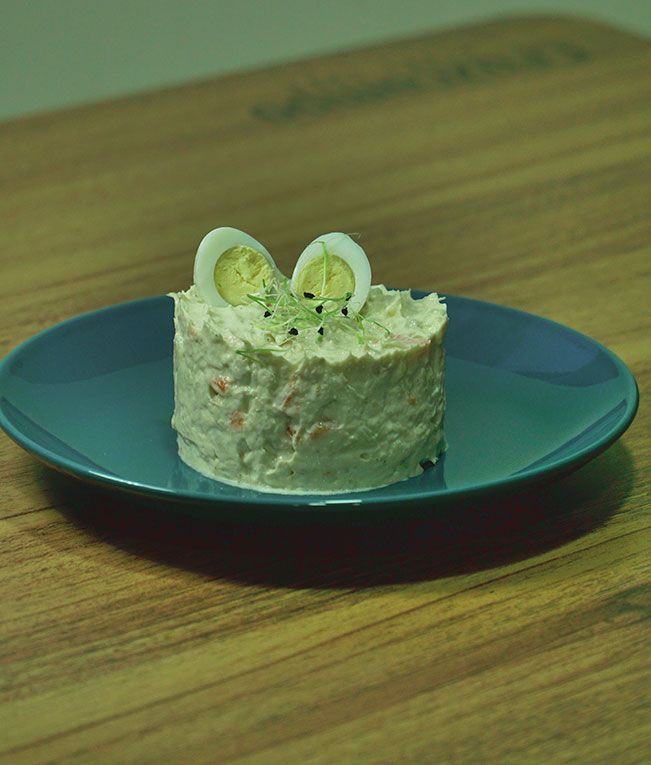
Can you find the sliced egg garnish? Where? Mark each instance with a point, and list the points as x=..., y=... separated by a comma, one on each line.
x=333, y=267
x=229, y=265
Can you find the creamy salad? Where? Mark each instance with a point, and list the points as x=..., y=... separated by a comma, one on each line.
x=308, y=385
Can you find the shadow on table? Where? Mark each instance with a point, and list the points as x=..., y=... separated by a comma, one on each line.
x=455, y=539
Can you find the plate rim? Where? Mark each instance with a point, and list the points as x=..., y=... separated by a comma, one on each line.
x=338, y=501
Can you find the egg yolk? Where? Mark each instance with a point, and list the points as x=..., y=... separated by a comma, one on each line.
x=240, y=271
x=326, y=277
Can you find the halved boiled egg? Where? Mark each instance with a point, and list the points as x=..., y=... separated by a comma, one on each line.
x=332, y=267
x=229, y=265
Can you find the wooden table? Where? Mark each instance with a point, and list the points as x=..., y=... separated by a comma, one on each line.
x=510, y=162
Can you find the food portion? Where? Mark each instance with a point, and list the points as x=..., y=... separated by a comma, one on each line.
x=229, y=265
x=318, y=384
x=333, y=265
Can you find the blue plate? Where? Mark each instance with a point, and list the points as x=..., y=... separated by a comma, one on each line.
x=526, y=399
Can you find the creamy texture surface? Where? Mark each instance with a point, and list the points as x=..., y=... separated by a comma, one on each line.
x=305, y=413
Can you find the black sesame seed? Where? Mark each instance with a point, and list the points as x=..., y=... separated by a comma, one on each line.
x=320, y=330
x=267, y=313
x=293, y=331
x=308, y=295
x=319, y=309
x=344, y=311
x=349, y=295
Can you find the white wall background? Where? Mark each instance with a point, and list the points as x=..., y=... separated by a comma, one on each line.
x=58, y=53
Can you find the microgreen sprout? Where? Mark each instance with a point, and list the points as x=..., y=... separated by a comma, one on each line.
x=249, y=353
x=284, y=313
x=326, y=263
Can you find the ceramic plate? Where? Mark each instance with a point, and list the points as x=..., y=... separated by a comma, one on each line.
x=526, y=399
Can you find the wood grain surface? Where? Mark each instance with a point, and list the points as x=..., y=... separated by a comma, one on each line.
x=509, y=162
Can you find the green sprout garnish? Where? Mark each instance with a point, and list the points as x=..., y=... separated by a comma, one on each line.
x=249, y=353
x=326, y=262
x=285, y=315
